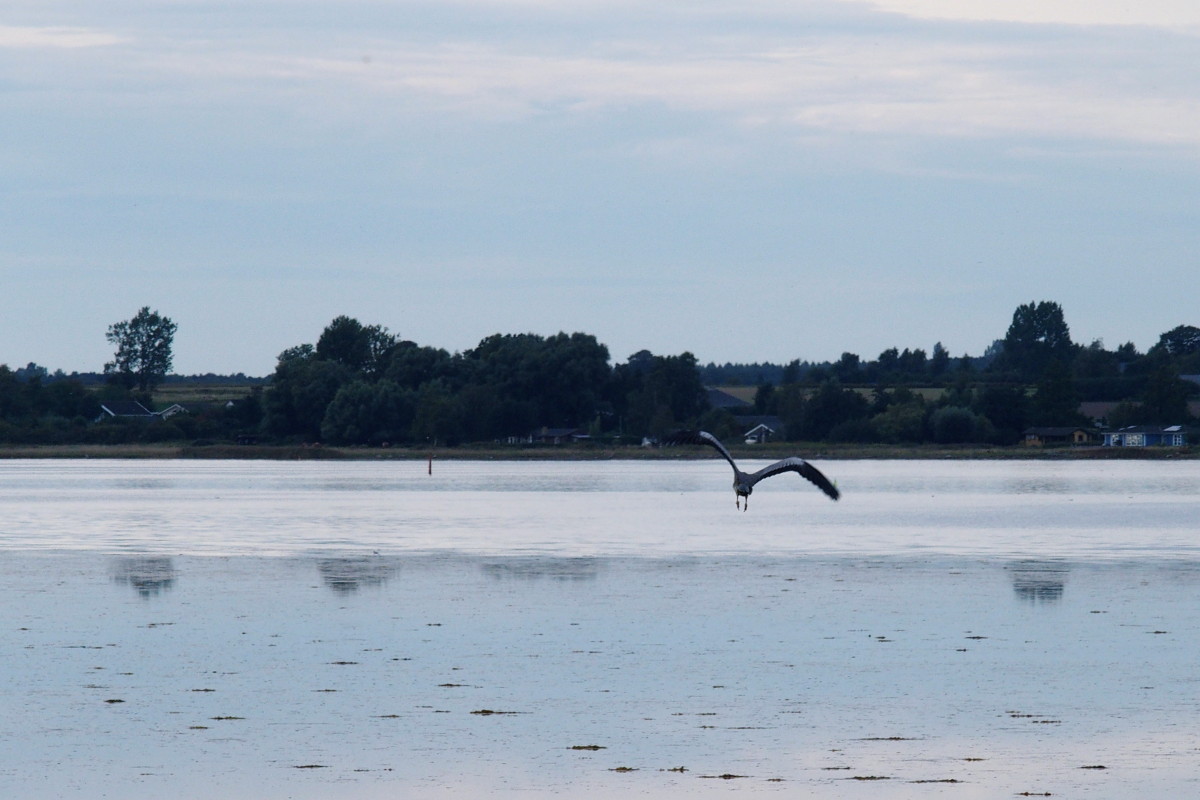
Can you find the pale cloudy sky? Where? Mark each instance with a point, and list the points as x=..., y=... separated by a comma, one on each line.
x=745, y=179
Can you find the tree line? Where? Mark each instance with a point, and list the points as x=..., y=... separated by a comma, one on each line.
x=360, y=384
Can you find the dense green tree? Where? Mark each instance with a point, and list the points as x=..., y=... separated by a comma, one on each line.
x=889, y=362
x=563, y=376
x=70, y=399
x=858, y=430
x=362, y=348
x=1037, y=336
x=1180, y=341
x=958, y=393
x=847, y=368
x=829, y=406
x=1007, y=407
x=1126, y=413
x=410, y=365
x=789, y=406
x=143, y=356
x=791, y=372
x=913, y=363
x=939, y=363
x=902, y=422
x=14, y=403
x=439, y=415
x=1094, y=361
x=1056, y=401
x=364, y=412
x=302, y=388
x=245, y=415
x=1165, y=400
x=720, y=423
x=1128, y=352
x=661, y=393
x=764, y=398
x=953, y=425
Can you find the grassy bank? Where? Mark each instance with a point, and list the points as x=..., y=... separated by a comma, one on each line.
x=814, y=451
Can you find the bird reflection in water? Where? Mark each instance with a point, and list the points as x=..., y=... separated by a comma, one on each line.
x=150, y=576
x=347, y=575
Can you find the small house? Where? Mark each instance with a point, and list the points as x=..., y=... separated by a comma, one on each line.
x=1041, y=437
x=125, y=409
x=760, y=434
x=557, y=435
x=759, y=428
x=171, y=411
x=1147, y=436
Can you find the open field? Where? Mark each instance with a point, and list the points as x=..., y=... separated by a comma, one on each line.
x=185, y=393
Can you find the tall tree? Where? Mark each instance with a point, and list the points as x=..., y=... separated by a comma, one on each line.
x=939, y=363
x=1165, y=400
x=1181, y=341
x=1056, y=401
x=1037, y=336
x=357, y=346
x=1008, y=409
x=143, y=356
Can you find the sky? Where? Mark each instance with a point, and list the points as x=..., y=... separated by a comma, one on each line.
x=745, y=180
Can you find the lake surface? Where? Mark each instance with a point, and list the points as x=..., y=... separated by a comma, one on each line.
x=334, y=630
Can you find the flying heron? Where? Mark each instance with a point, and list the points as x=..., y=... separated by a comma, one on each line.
x=743, y=482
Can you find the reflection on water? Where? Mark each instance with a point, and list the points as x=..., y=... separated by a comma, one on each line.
x=148, y=575
x=612, y=615
x=348, y=575
x=1038, y=581
x=559, y=569
x=806, y=674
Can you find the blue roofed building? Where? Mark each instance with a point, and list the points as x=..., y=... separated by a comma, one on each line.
x=1147, y=436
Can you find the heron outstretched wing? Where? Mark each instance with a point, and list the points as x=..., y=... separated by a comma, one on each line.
x=796, y=464
x=701, y=437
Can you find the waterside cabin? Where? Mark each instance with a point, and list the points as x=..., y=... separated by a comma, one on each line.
x=1042, y=437
x=1147, y=436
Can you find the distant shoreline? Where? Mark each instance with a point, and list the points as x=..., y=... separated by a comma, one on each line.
x=810, y=450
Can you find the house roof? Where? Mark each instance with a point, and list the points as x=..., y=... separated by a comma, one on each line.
x=719, y=398
x=1150, y=429
x=559, y=432
x=126, y=408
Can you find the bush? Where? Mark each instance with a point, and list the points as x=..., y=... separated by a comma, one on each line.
x=952, y=425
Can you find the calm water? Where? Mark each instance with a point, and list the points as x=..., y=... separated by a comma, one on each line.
x=305, y=630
